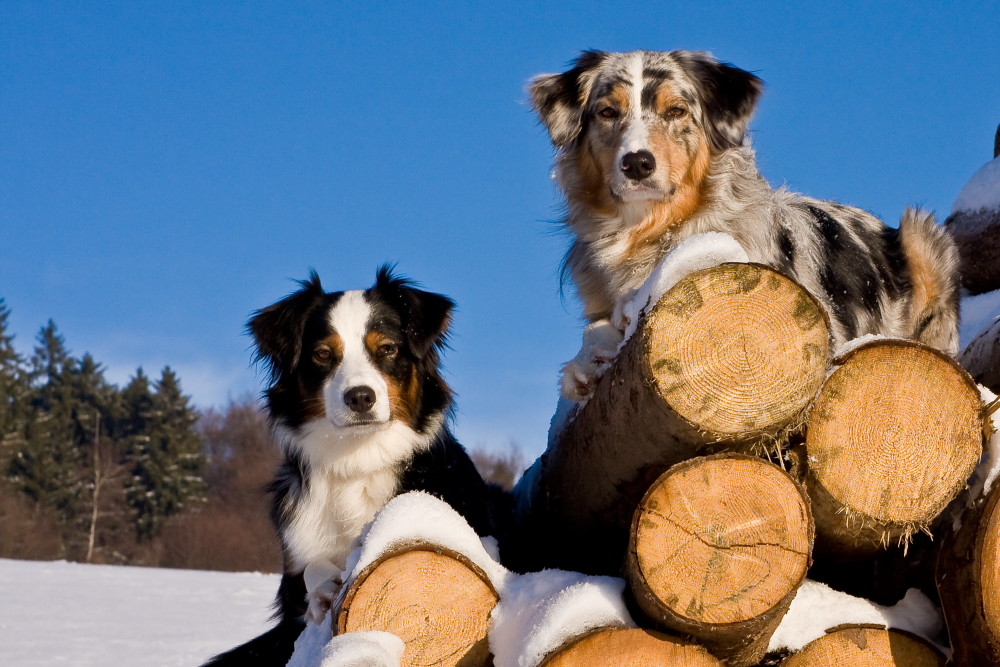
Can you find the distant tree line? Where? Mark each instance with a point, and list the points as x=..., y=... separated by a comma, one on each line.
x=136, y=475
x=95, y=461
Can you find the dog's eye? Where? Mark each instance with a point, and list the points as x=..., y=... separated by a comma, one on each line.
x=675, y=112
x=387, y=350
x=323, y=355
x=608, y=112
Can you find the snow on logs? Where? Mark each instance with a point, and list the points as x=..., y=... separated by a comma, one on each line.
x=557, y=618
x=423, y=575
x=729, y=358
x=892, y=438
x=719, y=546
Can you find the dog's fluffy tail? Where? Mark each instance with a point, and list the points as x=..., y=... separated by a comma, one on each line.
x=933, y=262
x=272, y=649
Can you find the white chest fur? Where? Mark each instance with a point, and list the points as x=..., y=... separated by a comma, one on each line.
x=330, y=516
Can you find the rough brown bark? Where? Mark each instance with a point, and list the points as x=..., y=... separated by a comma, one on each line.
x=728, y=359
x=867, y=646
x=892, y=438
x=619, y=647
x=968, y=579
x=977, y=235
x=981, y=357
x=437, y=602
x=719, y=546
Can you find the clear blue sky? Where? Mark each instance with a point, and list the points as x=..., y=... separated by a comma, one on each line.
x=168, y=167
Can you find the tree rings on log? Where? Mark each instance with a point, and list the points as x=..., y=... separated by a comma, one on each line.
x=727, y=360
x=719, y=546
x=621, y=647
x=737, y=349
x=438, y=604
x=864, y=646
x=892, y=438
x=968, y=581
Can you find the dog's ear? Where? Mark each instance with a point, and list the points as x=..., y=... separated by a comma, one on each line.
x=729, y=98
x=426, y=315
x=278, y=329
x=559, y=99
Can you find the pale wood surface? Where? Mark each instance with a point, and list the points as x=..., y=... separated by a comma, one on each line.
x=438, y=605
x=631, y=648
x=861, y=646
x=719, y=546
x=891, y=439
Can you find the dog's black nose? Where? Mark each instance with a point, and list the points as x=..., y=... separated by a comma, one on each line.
x=638, y=165
x=360, y=399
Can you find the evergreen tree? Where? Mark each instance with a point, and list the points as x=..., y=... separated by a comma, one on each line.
x=47, y=465
x=14, y=400
x=164, y=452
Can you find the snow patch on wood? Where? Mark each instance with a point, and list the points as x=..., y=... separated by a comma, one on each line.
x=541, y=612
x=982, y=191
x=817, y=608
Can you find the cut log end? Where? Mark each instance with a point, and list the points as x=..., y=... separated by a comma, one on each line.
x=630, y=648
x=891, y=439
x=719, y=545
x=437, y=604
x=737, y=349
x=863, y=646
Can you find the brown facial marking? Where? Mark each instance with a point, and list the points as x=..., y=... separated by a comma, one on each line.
x=681, y=144
x=315, y=408
x=620, y=98
x=403, y=393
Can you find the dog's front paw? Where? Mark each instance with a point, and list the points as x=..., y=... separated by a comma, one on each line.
x=622, y=316
x=323, y=583
x=600, y=347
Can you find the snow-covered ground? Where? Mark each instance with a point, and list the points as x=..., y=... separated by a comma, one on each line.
x=58, y=613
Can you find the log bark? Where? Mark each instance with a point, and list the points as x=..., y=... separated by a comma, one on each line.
x=719, y=546
x=968, y=580
x=867, y=646
x=892, y=438
x=620, y=647
x=981, y=357
x=977, y=235
x=727, y=360
x=436, y=601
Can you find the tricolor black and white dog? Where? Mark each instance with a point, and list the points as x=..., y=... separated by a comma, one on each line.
x=652, y=150
x=360, y=409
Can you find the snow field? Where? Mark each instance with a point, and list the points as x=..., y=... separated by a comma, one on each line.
x=59, y=613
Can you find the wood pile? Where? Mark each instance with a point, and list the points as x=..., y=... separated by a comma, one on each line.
x=877, y=444
x=726, y=455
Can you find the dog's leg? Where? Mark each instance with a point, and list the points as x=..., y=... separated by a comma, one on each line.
x=600, y=347
x=323, y=583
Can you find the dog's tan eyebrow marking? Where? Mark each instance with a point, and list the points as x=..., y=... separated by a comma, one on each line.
x=335, y=343
x=653, y=78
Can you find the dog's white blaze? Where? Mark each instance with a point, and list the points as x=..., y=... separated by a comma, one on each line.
x=349, y=319
x=637, y=135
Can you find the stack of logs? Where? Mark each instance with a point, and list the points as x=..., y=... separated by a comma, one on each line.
x=727, y=454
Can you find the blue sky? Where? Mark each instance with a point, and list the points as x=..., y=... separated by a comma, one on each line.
x=166, y=168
